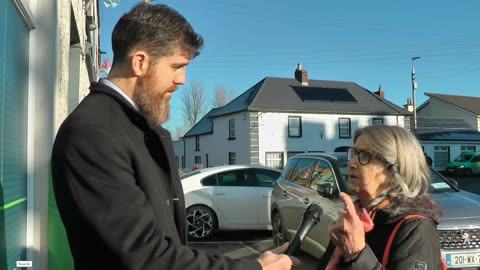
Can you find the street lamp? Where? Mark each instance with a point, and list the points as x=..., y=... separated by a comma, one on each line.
x=414, y=86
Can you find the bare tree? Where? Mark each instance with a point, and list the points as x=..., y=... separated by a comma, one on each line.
x=223, y=96
x=193, y=100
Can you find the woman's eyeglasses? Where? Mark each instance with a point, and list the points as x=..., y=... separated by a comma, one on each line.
x=364, y=157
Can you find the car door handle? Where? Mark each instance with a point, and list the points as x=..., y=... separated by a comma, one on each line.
x=218, y=193
x=306, y=201
x=266, y=196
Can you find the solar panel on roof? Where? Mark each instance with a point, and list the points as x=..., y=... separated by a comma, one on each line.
x=324, y=94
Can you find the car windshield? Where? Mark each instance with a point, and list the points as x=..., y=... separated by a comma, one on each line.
x=463, y=158
x=439, y=183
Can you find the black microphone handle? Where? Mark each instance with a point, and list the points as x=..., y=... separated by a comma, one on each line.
x=307, y=225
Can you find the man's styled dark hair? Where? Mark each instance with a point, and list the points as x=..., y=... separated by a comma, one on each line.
x=157, y=29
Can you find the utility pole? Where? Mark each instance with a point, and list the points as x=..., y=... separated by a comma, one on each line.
x=414, y=86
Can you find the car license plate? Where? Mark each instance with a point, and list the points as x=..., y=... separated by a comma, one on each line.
x=450, y=170
x=463, y=259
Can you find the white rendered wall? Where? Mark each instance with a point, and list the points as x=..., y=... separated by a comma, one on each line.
x=319, y=132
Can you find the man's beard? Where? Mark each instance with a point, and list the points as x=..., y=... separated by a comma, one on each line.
x=152, y=102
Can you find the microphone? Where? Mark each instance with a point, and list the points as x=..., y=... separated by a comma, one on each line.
x=310, y=218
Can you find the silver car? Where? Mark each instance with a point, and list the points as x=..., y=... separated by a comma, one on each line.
x=319, y=178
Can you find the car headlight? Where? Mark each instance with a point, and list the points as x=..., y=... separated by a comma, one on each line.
x=461, y=167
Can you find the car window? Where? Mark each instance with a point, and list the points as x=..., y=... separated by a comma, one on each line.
x=210, y=181
x=463, y=158
x=266, y=178
x=232, y=178
x=322, y=175
x=287, y=171
x=301, y=173
x=476, y=159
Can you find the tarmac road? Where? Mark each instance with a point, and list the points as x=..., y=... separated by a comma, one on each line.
x=247, y=244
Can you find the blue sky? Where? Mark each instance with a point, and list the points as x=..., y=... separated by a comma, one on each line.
x=370, y=43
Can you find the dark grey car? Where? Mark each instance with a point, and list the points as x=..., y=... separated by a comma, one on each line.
x=319, y=178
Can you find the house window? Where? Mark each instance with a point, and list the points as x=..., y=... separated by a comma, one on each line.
x=231, y=129
x=197, y=143
x=377, y=121
x=232, y=158
x=274, y=159
x=183, y=162
x=441, y=156
x=198, y=160
x=294, y=126
x=206, y=160
x=465, y=148
x=344, y=128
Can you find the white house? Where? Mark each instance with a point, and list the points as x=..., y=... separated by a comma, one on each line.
x=448, y=125
x=280, y=117
x=49, y=55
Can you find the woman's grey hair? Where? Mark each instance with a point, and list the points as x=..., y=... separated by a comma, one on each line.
x=407, y=170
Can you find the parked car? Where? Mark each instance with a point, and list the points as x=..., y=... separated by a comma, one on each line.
x=467, y=163
x=232, y=197
x=319, y=178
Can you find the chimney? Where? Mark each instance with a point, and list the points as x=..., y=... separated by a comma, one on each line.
x=409, y=105
x=301, y=75
x=380, y=92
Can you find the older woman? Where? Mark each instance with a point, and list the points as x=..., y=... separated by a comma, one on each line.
x=389, y=175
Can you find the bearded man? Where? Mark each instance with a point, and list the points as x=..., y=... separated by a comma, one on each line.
x=114, y=175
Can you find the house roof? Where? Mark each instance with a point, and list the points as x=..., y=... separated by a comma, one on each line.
x=471, y=104
x=289, y=95
x=462, y=135
x=439, y=124
x=204, y=126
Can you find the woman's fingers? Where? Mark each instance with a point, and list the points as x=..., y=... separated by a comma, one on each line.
x=349, y=206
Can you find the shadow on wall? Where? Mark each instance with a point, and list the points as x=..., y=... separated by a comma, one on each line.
x=3, y=240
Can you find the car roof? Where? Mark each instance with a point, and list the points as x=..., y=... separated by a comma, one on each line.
x=338, y=156
x=470, y=153
x=233, y=167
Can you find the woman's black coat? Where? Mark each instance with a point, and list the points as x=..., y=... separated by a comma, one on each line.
x=416, y=244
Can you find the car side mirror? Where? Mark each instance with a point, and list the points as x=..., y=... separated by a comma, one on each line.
x=453, y=182
x=325, y=189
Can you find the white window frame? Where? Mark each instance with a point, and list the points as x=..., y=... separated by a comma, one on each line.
x=232, y=158
x=231, y=129
x=274, y=159
x=378, y=121
x=344, y=124
x=294, y=131
x=466, y=148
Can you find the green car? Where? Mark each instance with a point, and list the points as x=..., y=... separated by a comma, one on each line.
x=467, y=163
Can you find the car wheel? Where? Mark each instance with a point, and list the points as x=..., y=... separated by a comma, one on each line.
x=278, y=232
x=201, y=222
x=468, y=172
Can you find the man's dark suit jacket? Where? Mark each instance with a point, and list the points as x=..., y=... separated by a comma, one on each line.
x=118, y=191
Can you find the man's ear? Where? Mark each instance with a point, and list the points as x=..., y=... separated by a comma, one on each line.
x=140, y=61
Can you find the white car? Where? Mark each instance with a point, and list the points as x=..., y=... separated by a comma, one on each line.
x=231, y=197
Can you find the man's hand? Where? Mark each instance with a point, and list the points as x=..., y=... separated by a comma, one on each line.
x=275, y=259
